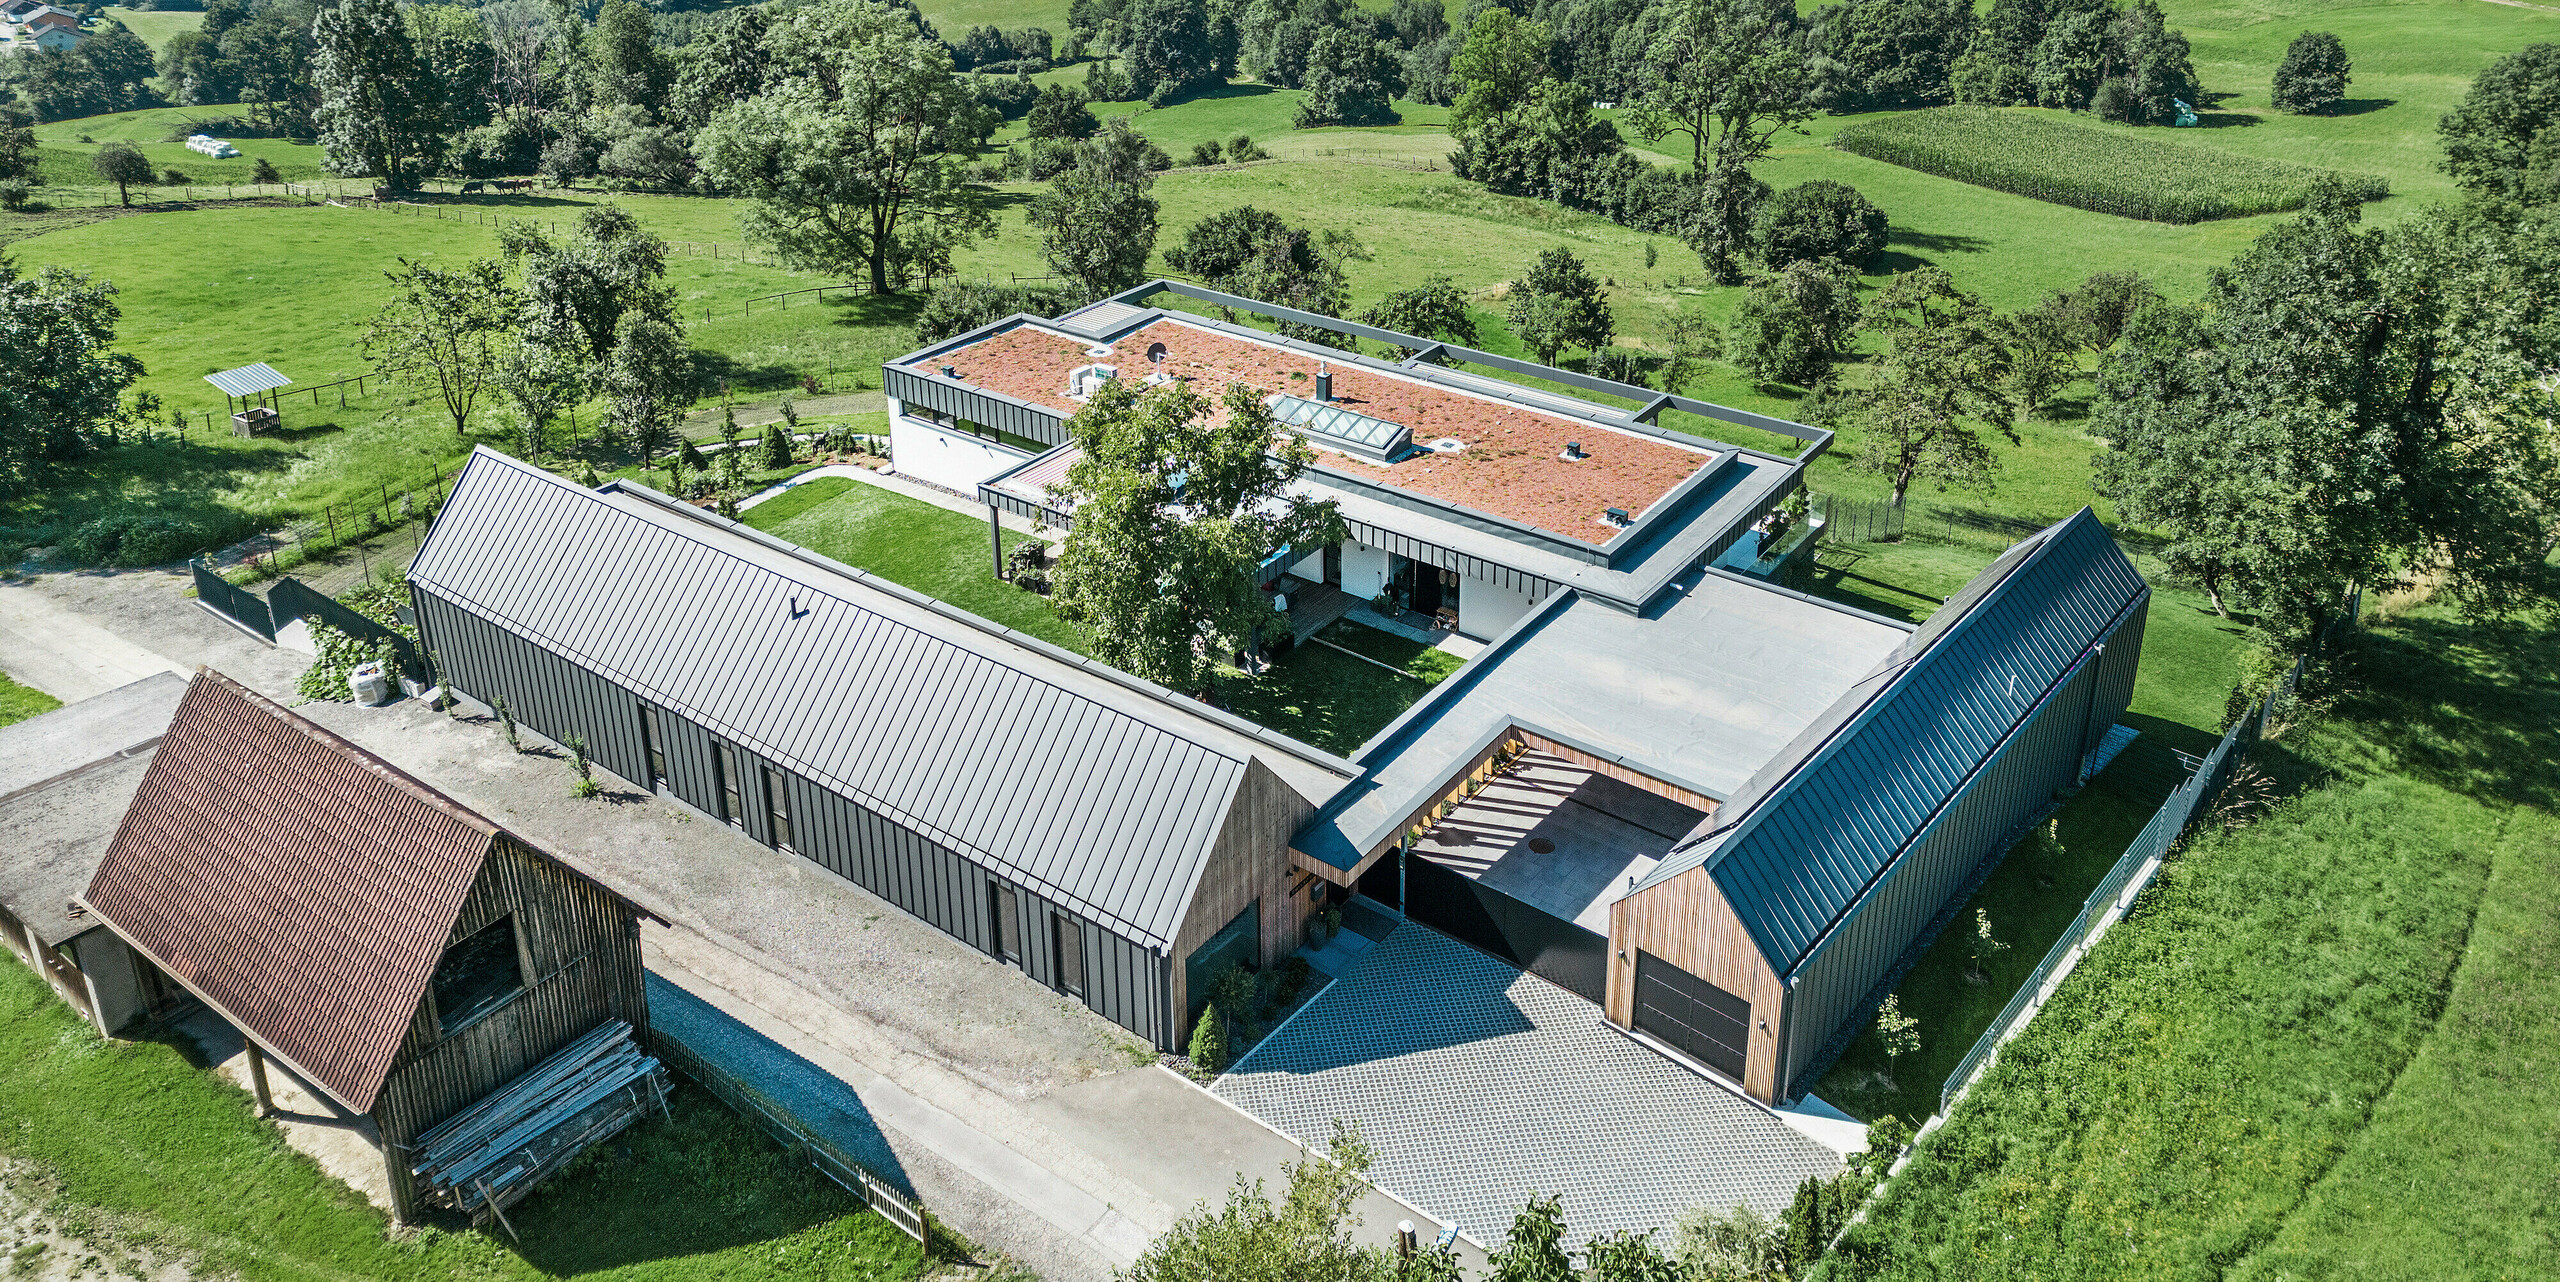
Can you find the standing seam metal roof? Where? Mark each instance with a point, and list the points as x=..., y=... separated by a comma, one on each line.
x=985, y=744
x=1797, y=849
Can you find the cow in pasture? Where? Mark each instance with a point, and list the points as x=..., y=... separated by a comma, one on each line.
x=475, y=185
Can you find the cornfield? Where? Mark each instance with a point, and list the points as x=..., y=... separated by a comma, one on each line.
x=2037, y=155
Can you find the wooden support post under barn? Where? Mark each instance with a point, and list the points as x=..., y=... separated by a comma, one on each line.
x=258, y=1079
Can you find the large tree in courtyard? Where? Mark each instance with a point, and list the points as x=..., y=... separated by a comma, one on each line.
x=850, y=162
x=2346, y=409
x=63, y=381
x=382, y=110
x=1177, y=503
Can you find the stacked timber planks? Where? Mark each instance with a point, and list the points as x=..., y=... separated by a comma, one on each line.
x=491, y=1155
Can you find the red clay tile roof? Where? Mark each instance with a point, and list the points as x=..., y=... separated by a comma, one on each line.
x=1509, y=469
x=299, y=885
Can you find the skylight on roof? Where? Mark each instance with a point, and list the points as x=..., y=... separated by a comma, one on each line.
x=1374, y=439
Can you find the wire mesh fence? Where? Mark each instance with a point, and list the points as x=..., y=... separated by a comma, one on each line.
x=856, y=1178
x=345, y=544
x=1847, y=520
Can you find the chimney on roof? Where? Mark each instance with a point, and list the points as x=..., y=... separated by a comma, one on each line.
x=1324, y=382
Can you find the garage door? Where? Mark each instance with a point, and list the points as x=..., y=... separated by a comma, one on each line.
x=1702, y=1020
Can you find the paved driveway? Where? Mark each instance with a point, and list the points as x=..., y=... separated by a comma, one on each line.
x=1478, y=1085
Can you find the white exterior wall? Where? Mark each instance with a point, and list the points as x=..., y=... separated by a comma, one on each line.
x=1364, y=569
x=1486, y=608
x=952, y=460
x=1310, y=568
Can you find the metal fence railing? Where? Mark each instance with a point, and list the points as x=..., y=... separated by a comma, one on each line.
x=834, y=1163
x=2116, y=892
x=343, y=544
x=1847, y=520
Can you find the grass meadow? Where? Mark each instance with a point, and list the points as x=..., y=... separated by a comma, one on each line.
x=155, y=26
x=142, y=1145
x=17, y=702
x=2318, y=1047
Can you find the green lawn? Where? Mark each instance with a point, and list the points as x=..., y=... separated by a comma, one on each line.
x=914, y=544
x=155, y=26
x=1324, y=697
x=2190, y=658
x=2319, y=1047
x=17, y=702
x=151, y=1149
x=1424, y=662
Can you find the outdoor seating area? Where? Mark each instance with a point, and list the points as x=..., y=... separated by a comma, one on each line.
x=1558, y=837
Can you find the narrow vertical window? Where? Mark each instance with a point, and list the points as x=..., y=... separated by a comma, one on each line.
x=654, y=741
x=1066, y=944
x=777, y=802
x=724, y=763
x=1008, y=922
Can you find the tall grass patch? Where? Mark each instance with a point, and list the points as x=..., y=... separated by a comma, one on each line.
x=2044, y=157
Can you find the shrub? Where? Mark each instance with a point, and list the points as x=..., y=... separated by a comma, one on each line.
x=2103, y=171
x=1622, y=365
x=135, y=539
x=964, y=305
x=173, y=178
x=2313, y=76
x=1773, y=340
x=1209, y=1041
x=1242, y=148
x=1208, y=153
x=1819, y=219
x=265, y=172
x=13, y=194
x=776, y=451
x=2113, y=101
x=1012, y=98
x=340, y=653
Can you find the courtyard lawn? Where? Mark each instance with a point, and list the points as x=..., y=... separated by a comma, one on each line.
x=1323, y=697
x=17, y=702
x=914, y=544
x=1416, y=659
x=144, y=1147
x=2317, y=1048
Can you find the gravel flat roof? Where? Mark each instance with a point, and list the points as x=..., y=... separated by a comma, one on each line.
x=1510, y=467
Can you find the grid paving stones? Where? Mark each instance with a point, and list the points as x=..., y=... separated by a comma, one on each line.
x=1478, y=1085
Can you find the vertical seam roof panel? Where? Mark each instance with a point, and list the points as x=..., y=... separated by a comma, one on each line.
x=1811, y=848
x=1124, y=805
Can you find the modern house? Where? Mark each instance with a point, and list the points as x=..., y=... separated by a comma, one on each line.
x=398, y=953
x=45, y=27
x=66, y=778
x=1717, y=808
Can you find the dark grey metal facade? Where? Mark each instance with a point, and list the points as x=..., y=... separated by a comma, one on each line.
x=976, y=404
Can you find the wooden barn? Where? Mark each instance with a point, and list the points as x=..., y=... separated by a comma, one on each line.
x=396, y=952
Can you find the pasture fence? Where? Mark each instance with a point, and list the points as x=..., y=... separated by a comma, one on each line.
x=346, y=543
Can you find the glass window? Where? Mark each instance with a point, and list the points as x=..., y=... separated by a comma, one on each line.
x=1008, y=923
x=724, y=764
x=477, y=975
x=655, y=741
x=777, y=800
x=1066, y=941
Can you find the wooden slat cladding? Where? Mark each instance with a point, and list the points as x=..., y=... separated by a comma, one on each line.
x=1698, y=801
x=1248, y=863
x=584, y=946
x=1686, y=922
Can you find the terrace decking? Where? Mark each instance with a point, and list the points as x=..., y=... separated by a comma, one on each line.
x=1558, y=837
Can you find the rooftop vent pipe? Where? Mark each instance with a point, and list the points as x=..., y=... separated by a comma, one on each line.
x=1324, y=383
x=1572, y=449
x=949, y=372
x=1618, y=517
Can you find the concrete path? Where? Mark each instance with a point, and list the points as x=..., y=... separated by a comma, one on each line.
x=53, y=649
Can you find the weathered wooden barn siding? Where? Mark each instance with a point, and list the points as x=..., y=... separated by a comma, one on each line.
x=1125, y=981
x=1250, y=861
x=1685, y=921
x=581, y=948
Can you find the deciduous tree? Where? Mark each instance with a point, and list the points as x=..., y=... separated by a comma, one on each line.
x=1724, y=74
x=2490, y=140
x=2313, y=76
x=1098, y=219
x=381, y=111
x=1558, y=304
x=648, y=383
x=1818, y=219
x=576, y=292
x=448, y=326
x=122, y=165
x=852, y=161
x=1436, y=308
x=1941, y=382
x=1303, y=1234
x=68, y=380
x=1256, y=254
x=1177, y=504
